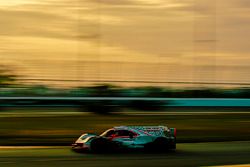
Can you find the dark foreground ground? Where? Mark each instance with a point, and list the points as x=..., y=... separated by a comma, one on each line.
x=199, y=154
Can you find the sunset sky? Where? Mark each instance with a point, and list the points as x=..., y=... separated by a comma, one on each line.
x=149, y=40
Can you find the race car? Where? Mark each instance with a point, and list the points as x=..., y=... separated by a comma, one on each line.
x=149, y=138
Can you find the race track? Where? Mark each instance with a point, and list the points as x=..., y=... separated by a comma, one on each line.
x=187, y=154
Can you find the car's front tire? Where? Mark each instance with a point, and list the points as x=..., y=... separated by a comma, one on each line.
x=103, y=145
x=99, y=145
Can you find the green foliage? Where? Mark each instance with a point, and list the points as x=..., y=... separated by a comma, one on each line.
x=100, y=107
x=6, y=77
x=104, y=90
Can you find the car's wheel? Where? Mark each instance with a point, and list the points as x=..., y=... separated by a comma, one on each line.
x=173, y=144
x=159, y=145
x=100, y=145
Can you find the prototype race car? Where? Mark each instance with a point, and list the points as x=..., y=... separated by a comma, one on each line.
x=153, y=138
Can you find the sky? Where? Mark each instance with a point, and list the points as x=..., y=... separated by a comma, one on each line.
x=127, y=40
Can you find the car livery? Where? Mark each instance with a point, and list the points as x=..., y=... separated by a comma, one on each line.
x=128, y=137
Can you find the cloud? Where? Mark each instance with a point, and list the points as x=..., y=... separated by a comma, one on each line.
x=4, y=3
x=31, y=23
x=138, y=4
x=113, y=2
x=36, y=20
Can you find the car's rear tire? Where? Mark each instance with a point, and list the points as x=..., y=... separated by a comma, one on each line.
x=160, y=144
x=172, y=145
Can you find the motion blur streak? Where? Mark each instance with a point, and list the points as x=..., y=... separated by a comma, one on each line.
x=246, y=165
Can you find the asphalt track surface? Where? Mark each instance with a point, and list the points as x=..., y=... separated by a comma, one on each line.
x=187, y=154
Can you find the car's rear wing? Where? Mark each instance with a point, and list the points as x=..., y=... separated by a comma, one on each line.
x=173, y=132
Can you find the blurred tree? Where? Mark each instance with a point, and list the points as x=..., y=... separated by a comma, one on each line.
x=105, y=90
x=6, y=77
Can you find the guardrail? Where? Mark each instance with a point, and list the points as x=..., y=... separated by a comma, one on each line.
x=76, y=101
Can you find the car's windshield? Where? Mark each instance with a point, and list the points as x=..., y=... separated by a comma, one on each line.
x=108, y=133
x=84, y=136
x=87, y=139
